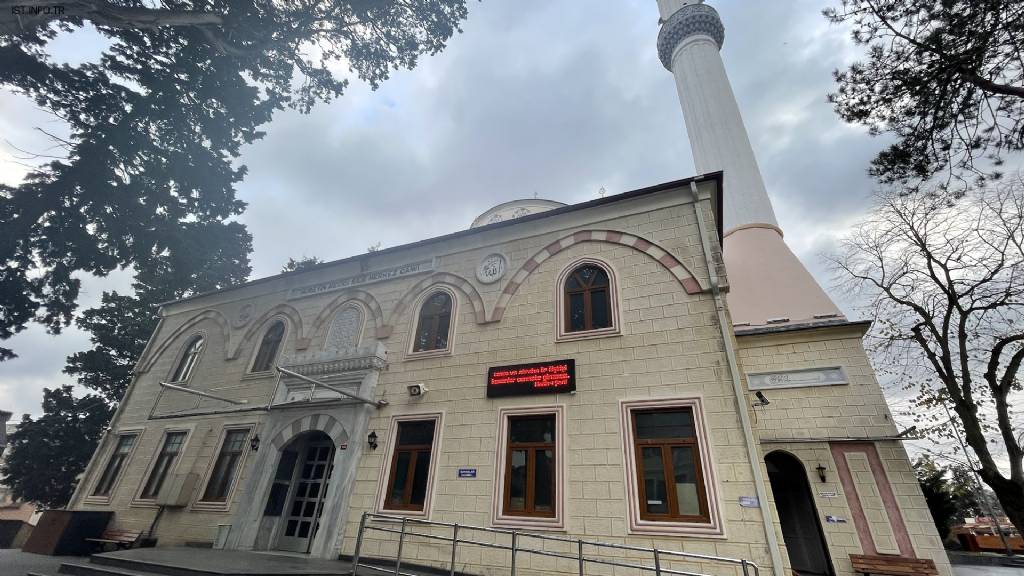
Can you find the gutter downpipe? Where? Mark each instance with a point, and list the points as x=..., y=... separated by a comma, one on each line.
x=737, y=387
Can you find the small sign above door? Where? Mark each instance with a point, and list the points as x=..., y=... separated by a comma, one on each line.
x=467, y=472
x=539, y=378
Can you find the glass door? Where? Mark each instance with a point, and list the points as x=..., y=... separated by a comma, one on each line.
x=302, y=517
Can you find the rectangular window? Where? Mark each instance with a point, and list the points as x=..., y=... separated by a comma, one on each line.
x=117, y=460
x=530, y=478
x=164, y=462
x=226, y=466
x=670, y=481
x=410, y=465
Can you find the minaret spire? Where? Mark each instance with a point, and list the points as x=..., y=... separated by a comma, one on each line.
x=768, y=284
x=688, y=45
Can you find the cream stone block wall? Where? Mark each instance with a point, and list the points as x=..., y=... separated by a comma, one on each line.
x=668, y=346
x=855, y=410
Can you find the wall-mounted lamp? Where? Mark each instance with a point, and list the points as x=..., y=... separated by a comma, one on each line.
x=254, y=443
x=762, y=400
x=371, y=439
x=821, y=472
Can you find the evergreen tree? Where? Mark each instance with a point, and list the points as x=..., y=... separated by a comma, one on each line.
x=156, y=124
x=46, y=455
x=945, y=77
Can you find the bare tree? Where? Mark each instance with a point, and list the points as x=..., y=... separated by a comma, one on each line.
x=944, y=282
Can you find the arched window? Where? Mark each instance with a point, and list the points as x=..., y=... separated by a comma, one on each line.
x=345, y=329
x=269, y=346
x=188, y=360
x=434, y=323
x=588, y=304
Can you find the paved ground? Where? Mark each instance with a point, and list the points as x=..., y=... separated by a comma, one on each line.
x=961, y=570
x=18, y=563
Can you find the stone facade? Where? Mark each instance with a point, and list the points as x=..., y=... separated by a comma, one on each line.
x=665, y=345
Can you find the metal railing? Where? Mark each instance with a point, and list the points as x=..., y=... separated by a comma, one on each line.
x=401, y=526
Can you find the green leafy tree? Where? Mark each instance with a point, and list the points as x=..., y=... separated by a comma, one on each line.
x=945, y=77
x=942, y=503
x=156, y=123
x=46, y=455
x=50, y=452
x=301, y=264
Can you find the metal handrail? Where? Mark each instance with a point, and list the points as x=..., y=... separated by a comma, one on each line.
x=747, y=567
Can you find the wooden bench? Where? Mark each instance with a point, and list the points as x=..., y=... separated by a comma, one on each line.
x=892, y=566
x=120, y=539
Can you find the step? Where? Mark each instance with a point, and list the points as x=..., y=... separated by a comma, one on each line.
x=132, y=566
x=91, y=569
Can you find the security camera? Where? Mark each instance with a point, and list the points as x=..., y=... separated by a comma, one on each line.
x=761, y=399
x=417, y=389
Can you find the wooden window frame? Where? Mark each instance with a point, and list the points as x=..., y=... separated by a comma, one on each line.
x=155, y=462
x=531, y=466
x=666, y=445
x=710, y=523
x=277, y=350
x=554, y=521
x=105, y=497
x=414, y=451
x=562, y=332
x=412, y=353
x=223, y=505
x=389, y=460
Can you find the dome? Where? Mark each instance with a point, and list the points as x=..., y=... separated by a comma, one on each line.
x=514, y=209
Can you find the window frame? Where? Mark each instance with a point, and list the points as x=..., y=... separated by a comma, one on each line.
x=224, y=505
x=411, y=351
x=562, y=332
x=641, y=522
x=277, y=353
x=389, y=460
x=500, y=514
x=151, y=467
x=93, y=497
x=180, y=357
x=666, y=445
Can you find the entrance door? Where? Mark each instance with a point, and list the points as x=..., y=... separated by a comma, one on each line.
x=801, y=528
x=302, y=515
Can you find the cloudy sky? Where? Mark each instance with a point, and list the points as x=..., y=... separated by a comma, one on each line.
x=554, y=98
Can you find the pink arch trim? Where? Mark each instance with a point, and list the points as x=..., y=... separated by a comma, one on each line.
x=683, y=275
x=448, y=279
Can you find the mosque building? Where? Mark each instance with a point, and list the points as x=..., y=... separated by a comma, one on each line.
x=651, y=370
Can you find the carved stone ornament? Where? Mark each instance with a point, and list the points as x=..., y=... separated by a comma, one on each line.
x=688, y=21
x=491, y=269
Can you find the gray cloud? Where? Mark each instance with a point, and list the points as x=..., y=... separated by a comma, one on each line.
x=553, y=98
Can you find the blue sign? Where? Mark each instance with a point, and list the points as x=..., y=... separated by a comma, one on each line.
x=467, y=472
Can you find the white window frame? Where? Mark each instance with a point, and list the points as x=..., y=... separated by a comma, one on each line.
x=97, y=499
x=715, y=528
x=224, y=506
x=447, y=351
x=384, y=480
x=180, y=355
x=498, y=516
x=561, y=332
x=138, y=500
x=263, y=334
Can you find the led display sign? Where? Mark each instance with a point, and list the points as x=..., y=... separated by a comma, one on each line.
x=538, y=378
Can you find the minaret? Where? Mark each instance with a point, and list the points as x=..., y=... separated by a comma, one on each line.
x=767, y=283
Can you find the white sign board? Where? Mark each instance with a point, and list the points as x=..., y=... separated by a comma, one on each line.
x=831, y=376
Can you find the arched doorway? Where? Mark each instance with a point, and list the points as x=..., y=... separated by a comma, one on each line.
x=298, y=490
x=801, y=527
